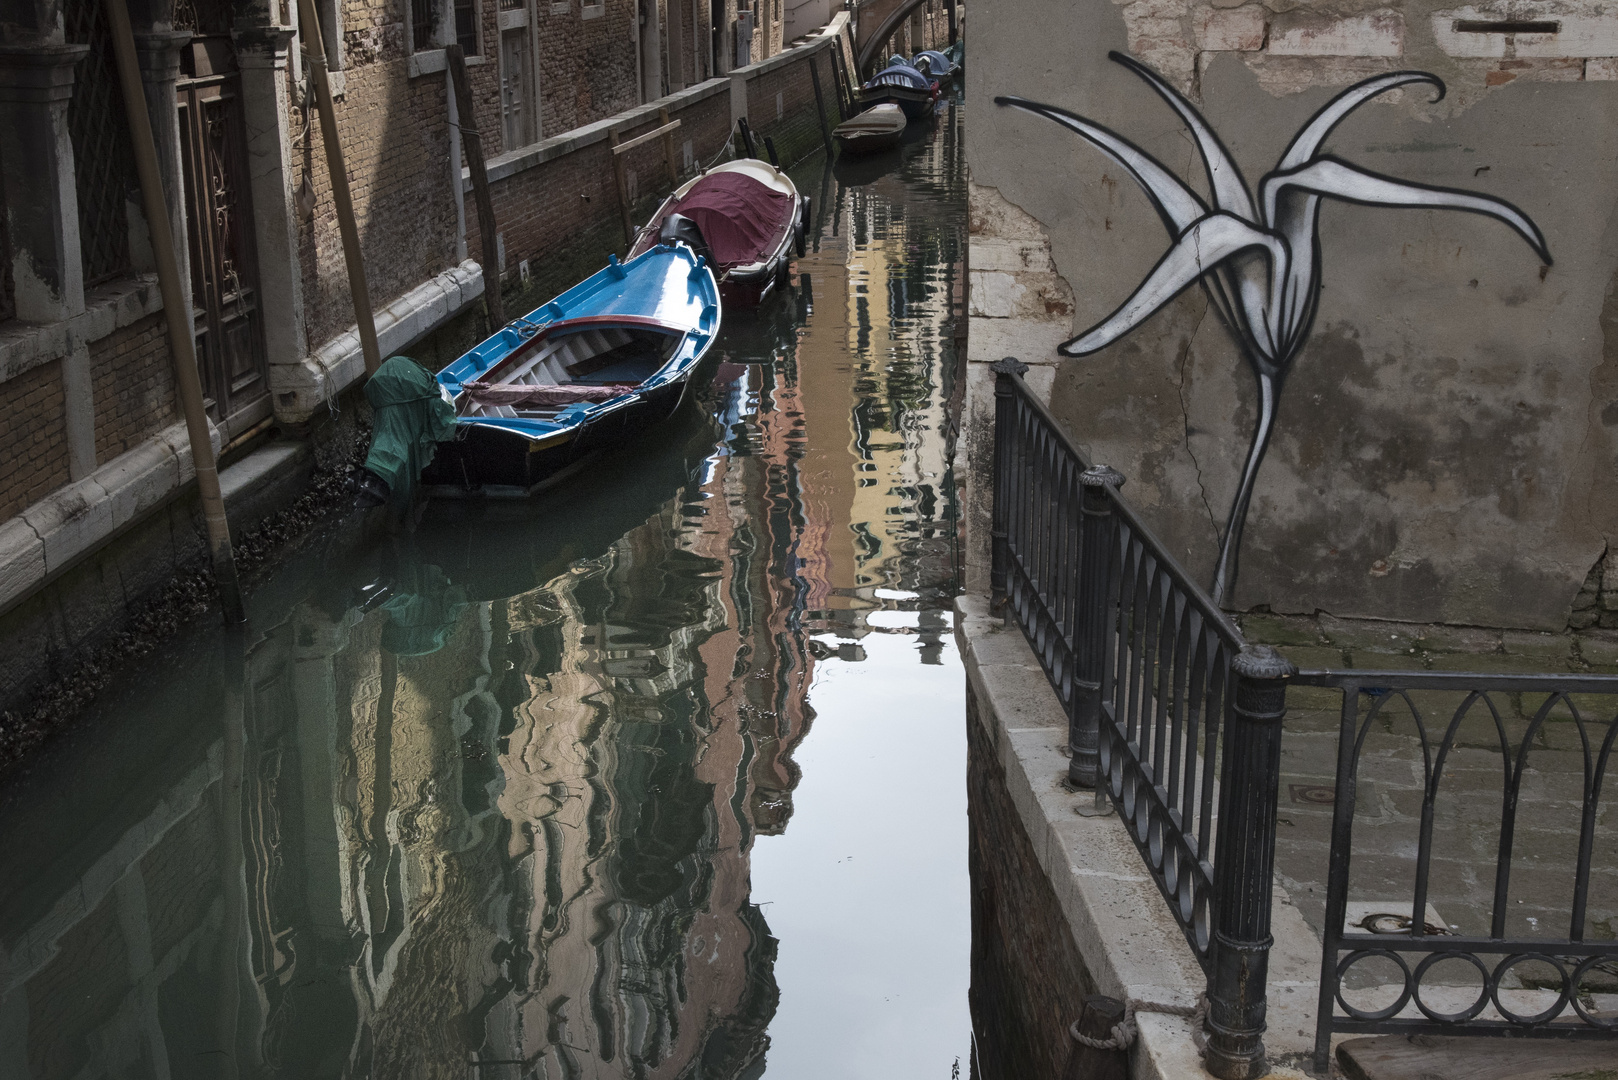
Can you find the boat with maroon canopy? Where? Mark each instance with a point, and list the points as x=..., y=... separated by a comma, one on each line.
x=746, y=216
x=597, y=365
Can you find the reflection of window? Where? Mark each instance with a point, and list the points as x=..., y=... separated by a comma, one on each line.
x=466, y=26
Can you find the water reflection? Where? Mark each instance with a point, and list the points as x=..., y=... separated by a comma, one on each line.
x=482, y=801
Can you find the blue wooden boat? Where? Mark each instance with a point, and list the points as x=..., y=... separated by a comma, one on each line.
x=902, y=85
x=596, y=366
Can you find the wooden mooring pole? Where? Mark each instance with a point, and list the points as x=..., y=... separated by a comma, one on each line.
x=186, y=378
x=820, y=106
x=472, y=142
x=315, y=51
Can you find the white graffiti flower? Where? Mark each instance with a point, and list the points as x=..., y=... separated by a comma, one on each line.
x=1259, y=262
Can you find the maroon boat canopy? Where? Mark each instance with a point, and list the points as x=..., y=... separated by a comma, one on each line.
x=741, y=219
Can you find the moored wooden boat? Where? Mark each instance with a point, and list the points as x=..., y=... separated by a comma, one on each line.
x=745, y=216
x=597, y=365
x=934, y=64
x=901, y=85
x=877, y=128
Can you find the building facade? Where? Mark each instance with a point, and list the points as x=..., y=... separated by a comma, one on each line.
x=1440, y=416
x=91, y=435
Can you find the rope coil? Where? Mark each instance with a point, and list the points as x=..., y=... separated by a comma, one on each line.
x=1122, y=1035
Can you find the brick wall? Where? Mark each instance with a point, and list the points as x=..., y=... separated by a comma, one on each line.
x=132, y=373
x=545, y=209
x=586, y=66
x=395, y=137
x=1028, y=980
x=781, y=105
x=33, y=438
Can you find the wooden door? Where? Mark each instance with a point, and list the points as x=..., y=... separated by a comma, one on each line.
x=219, y=226
x=514, y=87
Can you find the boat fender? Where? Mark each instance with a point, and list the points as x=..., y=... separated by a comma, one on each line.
x=801, y=241
x=679, y=229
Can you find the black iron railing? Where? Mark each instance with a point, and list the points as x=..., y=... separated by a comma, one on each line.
x=1177, y=722
x=1169, y=711
x=1483, y=734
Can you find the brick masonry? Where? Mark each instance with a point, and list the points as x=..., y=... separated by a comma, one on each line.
x=393, y=129
x=1028, y=979
x=33, y=438
x=586, y=65
x=132, y=376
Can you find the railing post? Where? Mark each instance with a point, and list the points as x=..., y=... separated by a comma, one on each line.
x=1004, y=440
x=1100, y=482
x=1245, y=863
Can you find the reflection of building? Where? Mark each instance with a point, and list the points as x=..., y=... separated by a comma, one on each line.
x=879, y=363
x=511, y=830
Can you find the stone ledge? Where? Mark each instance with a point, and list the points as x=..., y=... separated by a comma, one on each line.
x=1129, y=942
x=108, y=308
x=303, y=386
x=54, y=533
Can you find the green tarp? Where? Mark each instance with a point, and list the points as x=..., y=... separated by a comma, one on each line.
x=408, y=415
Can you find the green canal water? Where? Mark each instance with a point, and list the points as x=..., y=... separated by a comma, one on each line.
x=659, y=775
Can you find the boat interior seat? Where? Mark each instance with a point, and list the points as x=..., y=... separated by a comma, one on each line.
x=631, y=359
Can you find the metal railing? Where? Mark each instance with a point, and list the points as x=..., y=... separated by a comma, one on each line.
x=1169, y=711
x=1511, y=717
x=1176, y=721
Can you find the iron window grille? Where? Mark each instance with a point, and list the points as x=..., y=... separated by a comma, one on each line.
x=103, y=157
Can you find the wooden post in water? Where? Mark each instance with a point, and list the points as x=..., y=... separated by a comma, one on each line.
x=668, y=147
x=187, y=381
x=472, y=141
x=315, y=51
x=820, y=106
x=622, y=183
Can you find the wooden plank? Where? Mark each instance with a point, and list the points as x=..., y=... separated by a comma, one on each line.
x=630, y=144
x=1443, y=1057
x=472, y=143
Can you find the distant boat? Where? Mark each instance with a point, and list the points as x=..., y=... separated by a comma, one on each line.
x=935, y=64
x=901, y=85
x=597, y=365
x=745, y=216
x=877, y=128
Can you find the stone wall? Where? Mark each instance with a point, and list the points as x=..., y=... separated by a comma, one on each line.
x=1028, y=979
x=1443, y=448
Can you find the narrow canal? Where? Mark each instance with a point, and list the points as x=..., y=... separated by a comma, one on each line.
x=661, y=775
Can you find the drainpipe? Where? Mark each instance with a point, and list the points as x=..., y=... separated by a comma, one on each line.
x=175, y=309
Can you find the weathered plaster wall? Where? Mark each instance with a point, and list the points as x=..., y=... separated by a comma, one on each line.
x=1444, y=447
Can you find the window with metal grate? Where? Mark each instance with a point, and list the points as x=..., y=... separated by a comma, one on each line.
x=103, y=160
x=423, y=24
x=466, y=26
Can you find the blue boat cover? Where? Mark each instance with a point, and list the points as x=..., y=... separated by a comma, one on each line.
x=900, y=73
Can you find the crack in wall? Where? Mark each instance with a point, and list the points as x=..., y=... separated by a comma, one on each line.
x=1185, y=419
